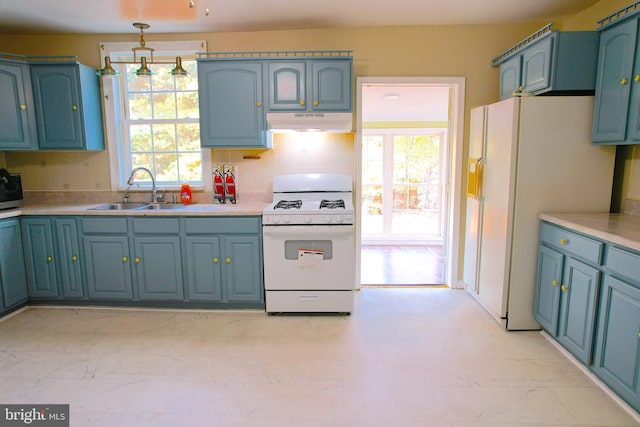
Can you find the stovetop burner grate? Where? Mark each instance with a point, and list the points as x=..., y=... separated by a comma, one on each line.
x=288, y=204
x=332, y=204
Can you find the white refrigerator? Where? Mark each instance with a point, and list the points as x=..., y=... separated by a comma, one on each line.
x=527, y=155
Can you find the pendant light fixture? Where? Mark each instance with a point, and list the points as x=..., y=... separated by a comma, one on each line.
x=142, y=55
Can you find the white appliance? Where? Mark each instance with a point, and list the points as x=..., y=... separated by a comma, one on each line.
x=308, y=244
x=325, y=122
x=526, y=156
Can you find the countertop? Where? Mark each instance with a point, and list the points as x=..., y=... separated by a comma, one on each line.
x=198, y=209
x=623, y=230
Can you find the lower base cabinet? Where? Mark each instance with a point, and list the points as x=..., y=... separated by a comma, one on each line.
x=13, y=280
x=108, y=267
x=158, y=268
x=588, y=299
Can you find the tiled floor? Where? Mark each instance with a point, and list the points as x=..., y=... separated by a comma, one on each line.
x=406, y=357
x=402, y=265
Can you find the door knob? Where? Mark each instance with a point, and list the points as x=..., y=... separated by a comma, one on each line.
x=227, y=260
x=49, y=259
x=125, y=259
x=564, y=288
x=554, y=283
x=74, y=258
x=623, y=81
x=137, y=260
x=215, y=260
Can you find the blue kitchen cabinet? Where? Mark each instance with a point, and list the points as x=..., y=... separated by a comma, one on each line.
x=17, y=113
x=107, y=260
x=617, y=356
x=547, y=298
x=40, y=258
x=567, y=285
x=224, y=260
x=203, y=268
x=157, y=258
x=158, y=268
x=549, y=61
x=311, y=85
x=52, y=257
x=69, y=257
x=13, y=281
x=242, y=269
x=231, y=104
x=580, y=286
x=614, y=82
x=68, y=107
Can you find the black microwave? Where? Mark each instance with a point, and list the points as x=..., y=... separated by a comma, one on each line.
x=10, y=190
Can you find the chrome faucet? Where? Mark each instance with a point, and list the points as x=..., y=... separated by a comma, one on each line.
x=154, y=190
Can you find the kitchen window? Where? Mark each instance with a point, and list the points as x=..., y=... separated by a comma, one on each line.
x=153, y=121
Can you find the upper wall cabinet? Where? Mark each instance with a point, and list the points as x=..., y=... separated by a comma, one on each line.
x=17, y=115
x=310, y=85
x=548, y=62
x=68, y=108
x=236, y=90
x=616, y=113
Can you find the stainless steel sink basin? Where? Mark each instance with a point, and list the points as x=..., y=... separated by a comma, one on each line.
x=119, y=206
x=155, y=206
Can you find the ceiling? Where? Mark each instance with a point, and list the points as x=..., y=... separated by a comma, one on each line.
x=175, y=16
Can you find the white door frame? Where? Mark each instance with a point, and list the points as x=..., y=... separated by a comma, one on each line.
x=453, y=187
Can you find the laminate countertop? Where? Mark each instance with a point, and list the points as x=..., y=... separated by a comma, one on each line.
x=198, y=209
x=623, y=230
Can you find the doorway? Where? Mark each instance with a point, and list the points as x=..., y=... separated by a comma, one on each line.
x=407, y=151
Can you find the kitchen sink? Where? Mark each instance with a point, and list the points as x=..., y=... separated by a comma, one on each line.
x=155, y=206
x=119, y=206
x=137, y=206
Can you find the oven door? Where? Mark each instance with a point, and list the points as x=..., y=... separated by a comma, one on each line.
x=308, y=257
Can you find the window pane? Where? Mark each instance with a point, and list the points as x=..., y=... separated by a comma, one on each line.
x=139, y=106
x=372, y=219
x=372, y=154
x=164, y=138
x=140, y=137
x=145, y=160
x=190, y=166
x=189, y=137
x=188, y=105
x=164, y=105
x=161, y=79
x=166, y=167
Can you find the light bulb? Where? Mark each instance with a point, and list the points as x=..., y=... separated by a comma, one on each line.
x=192, y=4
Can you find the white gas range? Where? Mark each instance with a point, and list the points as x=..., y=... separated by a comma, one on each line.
x=308, y=244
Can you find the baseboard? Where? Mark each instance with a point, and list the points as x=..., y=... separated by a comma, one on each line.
x=624, y=405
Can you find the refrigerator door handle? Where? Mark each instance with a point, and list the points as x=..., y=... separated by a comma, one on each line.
x=474, y=178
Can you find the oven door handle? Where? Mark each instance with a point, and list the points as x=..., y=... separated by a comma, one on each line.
x=301, y=230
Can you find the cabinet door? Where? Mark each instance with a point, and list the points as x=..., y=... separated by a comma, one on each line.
x=613, y=82
x=56, y=95
x=158, y=268
x=17, y=117
x=108, y=268
x=536, y=65
x=68, y=247
x=242, y=269
x=578, y=308
x=331, y=81
x=40, y=257
x=617, y=357
x=633, y=126
x=547, y=300
x=510, y=76
x=13, y=280
x=287, y=83
x=203, y=265
x=230, y=99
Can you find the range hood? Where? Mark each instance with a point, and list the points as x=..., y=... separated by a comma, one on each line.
x=306, y=122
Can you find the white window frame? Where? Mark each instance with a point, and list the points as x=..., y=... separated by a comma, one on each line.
x=111, y=98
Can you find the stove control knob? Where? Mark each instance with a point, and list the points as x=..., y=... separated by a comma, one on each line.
x=307, y=219
x=338, y=219
x=286, y=219
x=275, y=219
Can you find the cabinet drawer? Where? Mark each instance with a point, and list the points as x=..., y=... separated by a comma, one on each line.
x=104, y=225
x=309, y=301
x=573, y=243
x=235, y=225
x=624, y=263
x=156, y=225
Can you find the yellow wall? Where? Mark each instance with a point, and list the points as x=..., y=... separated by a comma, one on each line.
x=387, y=51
